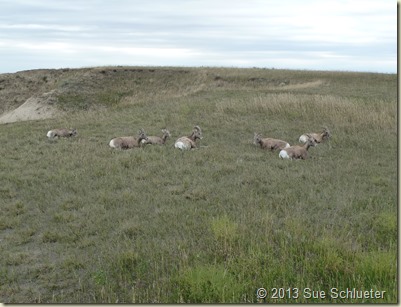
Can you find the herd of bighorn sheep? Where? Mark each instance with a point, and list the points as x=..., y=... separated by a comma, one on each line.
x=295, y=151
x=189, y=142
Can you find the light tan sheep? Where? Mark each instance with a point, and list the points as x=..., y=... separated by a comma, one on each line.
x=127, y=142
x=63, y=132
x=269, y=143
x=157, y=140
x=189, y=142
x=319, y=137
x=298, y=152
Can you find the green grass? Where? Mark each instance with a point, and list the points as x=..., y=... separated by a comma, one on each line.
x=82, y=223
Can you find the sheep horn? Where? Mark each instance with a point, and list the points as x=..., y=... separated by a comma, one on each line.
x=198, y=128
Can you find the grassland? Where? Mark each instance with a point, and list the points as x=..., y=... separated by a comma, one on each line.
x=83, y=223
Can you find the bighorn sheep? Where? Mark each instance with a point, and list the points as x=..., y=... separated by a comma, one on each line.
x=269, y=143
x=319, y=137
x=61, y=133
x=157, y=140
x=189, y=142
x=127, y=142
x=298, y=152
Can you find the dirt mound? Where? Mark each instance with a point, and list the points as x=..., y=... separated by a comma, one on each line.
x=34, y=108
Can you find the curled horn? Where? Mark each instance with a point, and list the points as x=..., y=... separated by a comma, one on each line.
x=141, y=131
x=326, y=131
x=198, y=128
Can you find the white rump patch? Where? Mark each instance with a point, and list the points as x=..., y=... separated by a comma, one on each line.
x=181, y=145
x=50, y=134
x=111, y=144
x=303, y=138
x=284, y=154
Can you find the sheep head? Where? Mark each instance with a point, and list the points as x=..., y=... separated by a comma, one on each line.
x=73, y=132
x=326, y=133
x=311, y=140
x=256, y=138
x=197, y=132
x=142, y=135
x=166, y=133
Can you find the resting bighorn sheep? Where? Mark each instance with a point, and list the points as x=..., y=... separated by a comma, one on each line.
x=269, y=143
x=298, y=152
x=61, y=133
x=157, y=140
x=319, y=137
x=189, y=142
x=127, y=142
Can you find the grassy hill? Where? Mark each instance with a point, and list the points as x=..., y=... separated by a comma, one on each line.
x=83, y=223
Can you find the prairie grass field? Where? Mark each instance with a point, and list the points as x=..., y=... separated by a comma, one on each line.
x=84, y=223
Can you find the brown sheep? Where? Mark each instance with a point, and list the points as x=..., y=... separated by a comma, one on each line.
x=63, y=132
x=189, y=142
x=298, y=152
x=157, y=140
x=269, y=143
x=319, y=137
x=127, y=142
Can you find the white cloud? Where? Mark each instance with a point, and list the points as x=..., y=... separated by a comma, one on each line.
x=43, y=27
x=336, y=33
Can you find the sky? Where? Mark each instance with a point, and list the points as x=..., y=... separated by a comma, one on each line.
x=339, y=35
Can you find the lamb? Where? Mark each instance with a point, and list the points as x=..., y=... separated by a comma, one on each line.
x=157, y=140
x=298, y=152
x=51, y=134
x=128, y=142
x=189, y=142
x=319, y=137
x=269, y=143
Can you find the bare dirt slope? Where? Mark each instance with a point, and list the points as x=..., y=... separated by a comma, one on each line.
x=30, y=94
x=34, y=108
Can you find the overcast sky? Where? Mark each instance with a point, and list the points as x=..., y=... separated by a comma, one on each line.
x=346, y=35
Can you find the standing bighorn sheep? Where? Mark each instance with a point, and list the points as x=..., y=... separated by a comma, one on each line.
x=61, y=133
x=157, y=140
x=127, y=142
x=319, y=137
x=298, y=152
x=269, y=143
x=189, y=142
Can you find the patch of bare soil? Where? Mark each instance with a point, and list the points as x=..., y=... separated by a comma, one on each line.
x=34, y=108
x=302, y=85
